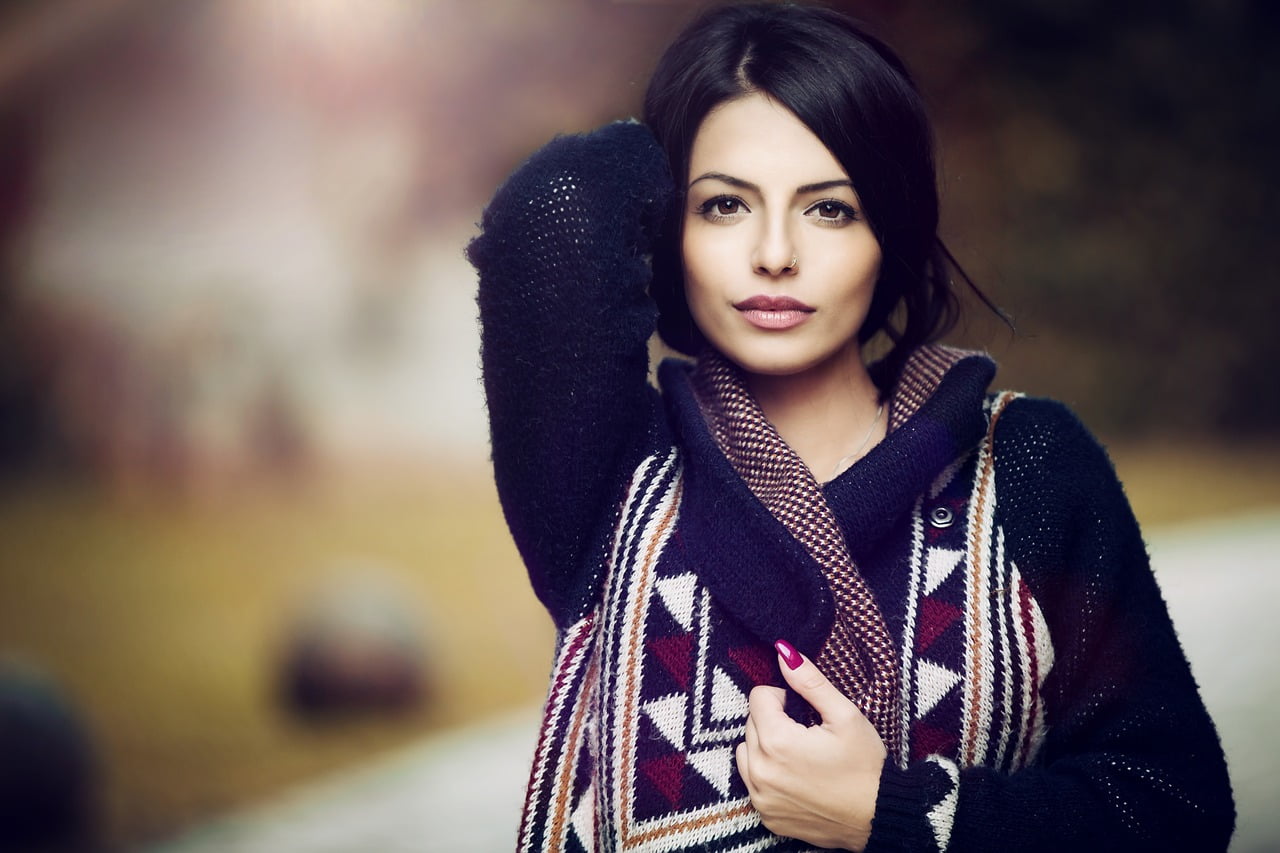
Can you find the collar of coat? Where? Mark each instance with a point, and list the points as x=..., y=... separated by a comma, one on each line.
x=751, y=562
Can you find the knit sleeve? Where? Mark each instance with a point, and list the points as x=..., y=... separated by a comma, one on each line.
x=565, y=319
x=1130, y=759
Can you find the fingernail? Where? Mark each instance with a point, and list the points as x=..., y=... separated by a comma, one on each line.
x=789, y=654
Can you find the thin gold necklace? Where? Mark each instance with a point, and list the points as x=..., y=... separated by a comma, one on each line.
x=857, y=453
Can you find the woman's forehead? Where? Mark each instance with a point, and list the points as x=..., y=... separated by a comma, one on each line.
x=756, y=139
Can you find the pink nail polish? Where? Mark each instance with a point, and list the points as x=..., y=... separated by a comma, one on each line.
x=789, y=654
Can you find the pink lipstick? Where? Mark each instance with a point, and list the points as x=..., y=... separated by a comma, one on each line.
x=774, y=313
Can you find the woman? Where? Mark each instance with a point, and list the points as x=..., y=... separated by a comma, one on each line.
x=804, y=600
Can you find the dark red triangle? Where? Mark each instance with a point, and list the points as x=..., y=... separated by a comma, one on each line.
x=676, y=656
x=755, y=662
x=935, y=617
x=929, y=740
x=667, y=775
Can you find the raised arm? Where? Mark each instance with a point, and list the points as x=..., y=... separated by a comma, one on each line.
x=565, y=320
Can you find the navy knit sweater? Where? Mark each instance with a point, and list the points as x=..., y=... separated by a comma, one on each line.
x=1045, y=703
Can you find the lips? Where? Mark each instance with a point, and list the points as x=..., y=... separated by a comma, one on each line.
x=774, y=313
x=772, y=303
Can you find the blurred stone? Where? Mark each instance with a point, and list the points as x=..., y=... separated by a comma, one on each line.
x=354, y=646
x=48, y=768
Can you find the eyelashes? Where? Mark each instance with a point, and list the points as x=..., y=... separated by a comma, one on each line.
x=830, y=212
x=721, y=208
x=833, y=210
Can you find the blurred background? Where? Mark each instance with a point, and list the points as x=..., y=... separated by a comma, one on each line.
x=247, y=528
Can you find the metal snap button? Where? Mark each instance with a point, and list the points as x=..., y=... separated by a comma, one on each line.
x=941, y=516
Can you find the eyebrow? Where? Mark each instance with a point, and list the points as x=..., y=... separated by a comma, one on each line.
x=747, y=185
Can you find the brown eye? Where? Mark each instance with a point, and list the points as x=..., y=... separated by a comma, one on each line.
x=722, y=208
x=833, y=212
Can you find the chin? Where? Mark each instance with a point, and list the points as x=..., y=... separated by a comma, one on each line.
x=761, y=365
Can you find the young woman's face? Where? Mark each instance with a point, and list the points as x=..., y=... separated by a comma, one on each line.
x=779, y=261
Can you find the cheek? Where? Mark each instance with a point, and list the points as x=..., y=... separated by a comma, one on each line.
x=701, y=291
x=711, y=253
x=699, y=257
x=693, y=248
x=699, y=294
x=857, y=264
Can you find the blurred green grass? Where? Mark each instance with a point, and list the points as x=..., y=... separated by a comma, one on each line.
x=163, y=617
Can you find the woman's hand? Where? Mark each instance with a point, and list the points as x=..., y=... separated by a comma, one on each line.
x=817, y=784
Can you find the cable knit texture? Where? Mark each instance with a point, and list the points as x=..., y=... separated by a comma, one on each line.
x=1042, y=700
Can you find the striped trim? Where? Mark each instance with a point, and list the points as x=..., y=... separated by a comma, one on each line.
x=979, y=673
x=632, y=584
x=914, y=593
x=1005, y=652
x=576, y=721
x=1006, y=579
x=546, y=811
x=908, y=635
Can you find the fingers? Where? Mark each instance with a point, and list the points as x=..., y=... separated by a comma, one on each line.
x=806, y=679
x=766, y=700
x=743, y=756
x=752, y=734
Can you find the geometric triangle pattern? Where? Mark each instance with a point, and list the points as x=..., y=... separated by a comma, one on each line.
x=677, y=594
x=939, y=565
x=667, y=775
x=728, y=703
x=938, y=646
x=943, y=815
x=976, y=647
x=647, y=703
x=675, y=654
x=932, y=683
x=695, y=677
x=668, y=717
x=934, y=620
x=649, y=693
x=716, y=766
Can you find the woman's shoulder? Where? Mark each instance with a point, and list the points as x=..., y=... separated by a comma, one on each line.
x=1045, y=455
x=1042, y=428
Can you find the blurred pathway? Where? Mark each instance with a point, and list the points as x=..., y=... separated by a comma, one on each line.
x=459, y=791
x=462, y=791
x=1222, y=583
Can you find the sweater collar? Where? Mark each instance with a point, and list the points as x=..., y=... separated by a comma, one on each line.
x=748, y=558
x=936, y=414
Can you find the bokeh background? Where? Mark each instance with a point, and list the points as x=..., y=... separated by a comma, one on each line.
x=239, y=403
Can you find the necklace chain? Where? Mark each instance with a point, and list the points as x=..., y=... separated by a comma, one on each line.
x=855, y=454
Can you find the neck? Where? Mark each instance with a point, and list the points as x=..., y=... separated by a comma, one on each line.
x=823, y=413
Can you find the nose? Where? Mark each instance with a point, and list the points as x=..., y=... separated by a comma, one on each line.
x=775, y=253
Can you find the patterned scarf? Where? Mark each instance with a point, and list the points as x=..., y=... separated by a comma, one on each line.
x=859, y=656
